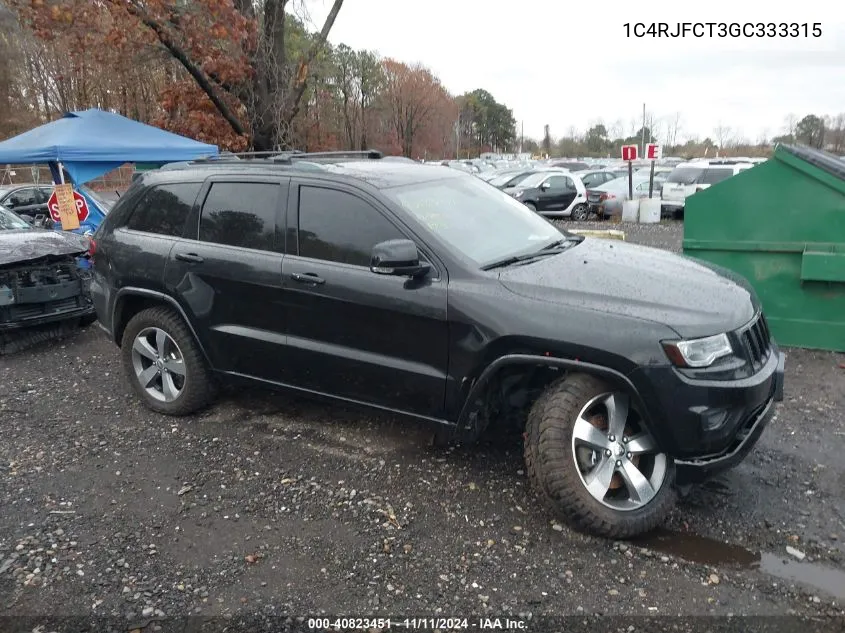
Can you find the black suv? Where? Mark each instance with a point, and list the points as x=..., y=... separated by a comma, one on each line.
x=424, y=291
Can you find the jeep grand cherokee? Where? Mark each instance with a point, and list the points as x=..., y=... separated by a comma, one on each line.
x=424, y=291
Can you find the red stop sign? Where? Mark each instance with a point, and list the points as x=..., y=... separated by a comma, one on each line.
x=81, y=207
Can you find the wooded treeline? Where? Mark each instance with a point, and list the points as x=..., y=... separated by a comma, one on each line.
x=239, y=73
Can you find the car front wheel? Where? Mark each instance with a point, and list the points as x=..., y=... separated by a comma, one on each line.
x=531, y=206
x=593, y=461
x=164, y=364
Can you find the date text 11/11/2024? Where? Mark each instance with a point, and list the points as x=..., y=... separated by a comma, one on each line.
x=723, y=29
x=417, y=624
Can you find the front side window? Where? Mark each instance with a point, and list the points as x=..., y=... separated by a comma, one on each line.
x=714, y=175
x=337, y=226
x=164, y=209
x=241, y=214
x=480, y=222
x=22, y=198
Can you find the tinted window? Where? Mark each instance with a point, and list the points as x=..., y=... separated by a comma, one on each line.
x=240, y=214
x=164, y=209
x=339, y=227
x=23, y=198
x=685, y=175
x=712, y=176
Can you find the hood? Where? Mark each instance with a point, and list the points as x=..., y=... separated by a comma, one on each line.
x=693, y=298
x=27, y=245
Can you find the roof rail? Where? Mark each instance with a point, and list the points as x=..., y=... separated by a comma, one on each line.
x=286, y=156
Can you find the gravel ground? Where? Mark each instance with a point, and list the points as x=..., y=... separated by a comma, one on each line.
x=268, y=504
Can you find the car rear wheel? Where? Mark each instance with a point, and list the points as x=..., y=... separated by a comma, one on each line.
x=164, y=364
x=531, y=206
x=593, y=461
x=580, y=212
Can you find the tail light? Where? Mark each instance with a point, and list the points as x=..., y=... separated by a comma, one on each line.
x=92, y=248
x=606, y=196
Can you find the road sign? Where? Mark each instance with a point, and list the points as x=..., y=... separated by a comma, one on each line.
x=55, y=208
x=629, y=152
x=653, y=151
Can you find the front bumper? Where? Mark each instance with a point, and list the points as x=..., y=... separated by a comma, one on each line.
x=683, y=415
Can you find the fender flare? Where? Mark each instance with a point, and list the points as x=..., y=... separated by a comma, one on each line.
x=607, y=373
x=158, y=296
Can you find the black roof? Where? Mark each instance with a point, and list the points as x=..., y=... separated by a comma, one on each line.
x=823, y=160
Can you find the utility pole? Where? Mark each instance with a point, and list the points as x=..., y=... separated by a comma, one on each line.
x=458, y=139
x=642, y=143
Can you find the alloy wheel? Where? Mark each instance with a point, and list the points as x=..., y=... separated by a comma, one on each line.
x=159, y=364
x=617, y=459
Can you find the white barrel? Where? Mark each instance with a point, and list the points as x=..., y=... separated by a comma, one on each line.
x=630, y=210
x=650, y=210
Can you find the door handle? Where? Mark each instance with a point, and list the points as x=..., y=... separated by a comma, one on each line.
x=192, y=258
x=307, y=278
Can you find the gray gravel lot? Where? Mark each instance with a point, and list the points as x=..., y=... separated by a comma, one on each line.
x=269, y=504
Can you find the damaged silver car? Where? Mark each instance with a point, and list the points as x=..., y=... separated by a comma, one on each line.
x=43, y=280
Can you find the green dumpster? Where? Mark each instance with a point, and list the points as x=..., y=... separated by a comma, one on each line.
x=781, y=225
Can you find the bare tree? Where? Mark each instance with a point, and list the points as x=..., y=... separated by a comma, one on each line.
x=723, y=135
x=617, y=129
x=790, y=122
x=673, y=129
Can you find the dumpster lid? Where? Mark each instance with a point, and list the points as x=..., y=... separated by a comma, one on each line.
x=823, y=160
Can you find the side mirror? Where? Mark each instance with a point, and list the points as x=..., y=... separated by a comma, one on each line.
x=545, y=186
x=397, y=257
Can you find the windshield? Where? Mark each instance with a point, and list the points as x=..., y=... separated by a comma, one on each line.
x=534, y=180
x=482, y=223
x=501, y=179
x=685, y=175
x=11, y=222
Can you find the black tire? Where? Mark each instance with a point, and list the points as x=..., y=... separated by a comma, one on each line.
x=531, y=206
x=580, y=212
x=199, y=388
x=554, y=475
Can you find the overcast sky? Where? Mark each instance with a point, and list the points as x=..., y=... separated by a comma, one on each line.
x=570, y=64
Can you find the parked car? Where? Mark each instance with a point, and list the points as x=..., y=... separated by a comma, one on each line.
x=606, y=200
x=688, y=178
x=40, y=279
x=425, y=292
x=27, y=200
x=594, y=178
x=553, y=194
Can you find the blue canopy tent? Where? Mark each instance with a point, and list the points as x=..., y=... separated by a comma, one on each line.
x=89, y=143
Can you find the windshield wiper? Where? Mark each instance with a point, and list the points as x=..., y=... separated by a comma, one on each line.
x=552, y=249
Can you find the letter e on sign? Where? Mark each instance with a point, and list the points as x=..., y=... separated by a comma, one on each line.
x=629, y=152
x=653, y=151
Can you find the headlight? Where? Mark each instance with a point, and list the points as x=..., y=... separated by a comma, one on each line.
x=518, y=193
x=699, y=352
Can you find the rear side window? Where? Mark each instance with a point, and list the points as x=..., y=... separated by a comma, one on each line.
x=336, y=226
x=241, y=214
x=714, y=175
x=164, y=209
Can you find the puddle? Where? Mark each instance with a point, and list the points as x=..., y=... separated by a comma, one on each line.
x=697, y=549
x=831, y=581
x=705, y=551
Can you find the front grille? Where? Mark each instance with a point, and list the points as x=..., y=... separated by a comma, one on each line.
x=35, y=310
x=756, y=342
